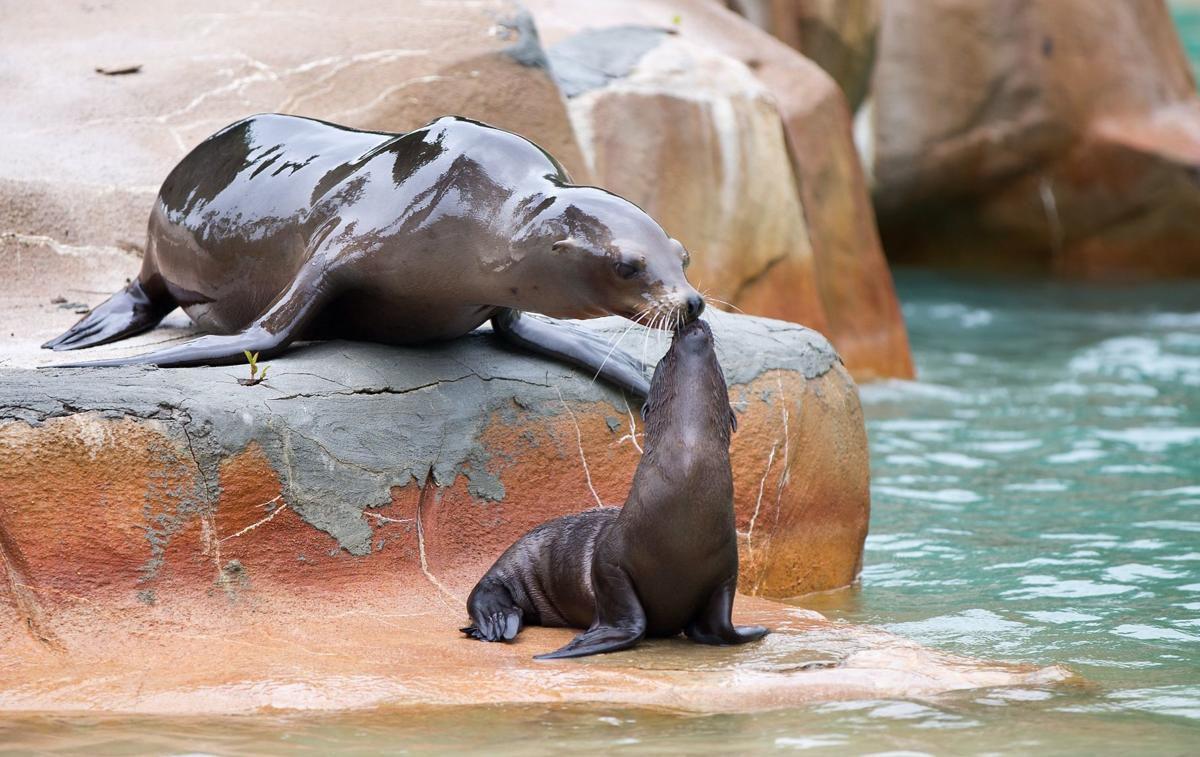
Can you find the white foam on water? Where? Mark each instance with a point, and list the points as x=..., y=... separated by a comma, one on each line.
x=819, y=741
x=1076, y=456
x=1114, y=470
x=1133, y=572
x=958, y=460
x=1152, y=633
x=1172, y=525
x=1005, y=447
x=1051, y=586
x=1060, y=617
x=1044, y=485
x=1153, y=438
x=943, y=496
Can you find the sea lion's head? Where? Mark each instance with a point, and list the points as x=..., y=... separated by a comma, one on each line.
x=591, y=253
x=688, y=394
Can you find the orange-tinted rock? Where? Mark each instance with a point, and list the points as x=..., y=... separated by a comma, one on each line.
x=1059, y=137
x=692, y=114
x=84, y=153
x=838, y=35
x=183, y=480
x=173, y=542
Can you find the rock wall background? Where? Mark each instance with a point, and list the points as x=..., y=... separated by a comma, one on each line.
x=1057, y=137
x=737, y=144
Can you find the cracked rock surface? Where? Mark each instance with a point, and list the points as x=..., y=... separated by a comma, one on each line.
x=172, y=541
x=84, y=154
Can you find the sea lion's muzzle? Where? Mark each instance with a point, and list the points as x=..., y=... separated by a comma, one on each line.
x=695, y=335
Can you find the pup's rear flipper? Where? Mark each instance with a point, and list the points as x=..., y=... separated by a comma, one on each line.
x=496, y=616
x=130, y=311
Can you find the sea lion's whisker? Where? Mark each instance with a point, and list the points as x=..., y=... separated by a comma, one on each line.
x=723, y=302
x=616, y=344
x=646, y=336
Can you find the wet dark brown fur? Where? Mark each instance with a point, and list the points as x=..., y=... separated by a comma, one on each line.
x=664, y=563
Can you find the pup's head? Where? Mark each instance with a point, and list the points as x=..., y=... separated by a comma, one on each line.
x=688, y=389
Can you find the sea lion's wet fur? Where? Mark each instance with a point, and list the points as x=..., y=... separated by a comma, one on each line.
x=664, y=563
x=279, y=228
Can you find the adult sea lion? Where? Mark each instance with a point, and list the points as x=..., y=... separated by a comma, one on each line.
x=666, y=562
x=279, y=228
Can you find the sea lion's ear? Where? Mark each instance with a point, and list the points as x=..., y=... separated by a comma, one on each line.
x=564, y=245
x=732, y=419
x=645, y=410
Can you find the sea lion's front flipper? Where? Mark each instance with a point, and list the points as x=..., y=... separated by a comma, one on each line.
x=596, y=640
x=130, y=311
x=495, y=616
x=714, y=623
x=574, y=345
x=282, y=323
x=620, y=620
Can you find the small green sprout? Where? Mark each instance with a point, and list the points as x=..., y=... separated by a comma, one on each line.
x=257, y=375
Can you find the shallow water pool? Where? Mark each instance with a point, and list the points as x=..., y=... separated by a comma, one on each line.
x=1036, y=498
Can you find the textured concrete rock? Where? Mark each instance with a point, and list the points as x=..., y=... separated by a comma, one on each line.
x=360, y=646
x=1054, y=136
x=352, y=438
x=171, y=541
x=84, y=153
x=839, y=35
x=719, y=111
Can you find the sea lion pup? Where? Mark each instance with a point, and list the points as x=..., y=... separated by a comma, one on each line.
x=666, y=562
x=279, y=228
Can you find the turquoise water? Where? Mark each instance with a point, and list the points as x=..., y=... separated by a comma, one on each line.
x=1187, y=19
x=1035, y=498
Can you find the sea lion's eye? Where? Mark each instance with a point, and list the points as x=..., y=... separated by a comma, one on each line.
x=626, y=270
x=687, y=259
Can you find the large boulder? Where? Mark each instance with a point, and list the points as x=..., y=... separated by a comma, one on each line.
x=84, y=152
x=352, y=439
x=838, y=35
x=742, y=148
x=174, y=542
x=1060, y=137
x=692, y=136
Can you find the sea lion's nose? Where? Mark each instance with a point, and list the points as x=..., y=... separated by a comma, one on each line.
x=695, y=306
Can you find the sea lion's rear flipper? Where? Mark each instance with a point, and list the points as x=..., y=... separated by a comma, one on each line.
x=572, y=344
x=282, y=323
x=130, y=311
x=620, y=620
x=714, y=623
x=495, y=616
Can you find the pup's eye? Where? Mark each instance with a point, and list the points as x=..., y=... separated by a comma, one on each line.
x=626, y=270
x=687, y=259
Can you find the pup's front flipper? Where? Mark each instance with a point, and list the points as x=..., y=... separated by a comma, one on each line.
x=620, y=620
x=495, y=616
x=572, y=344
x=597, y=640
x=714, y=623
